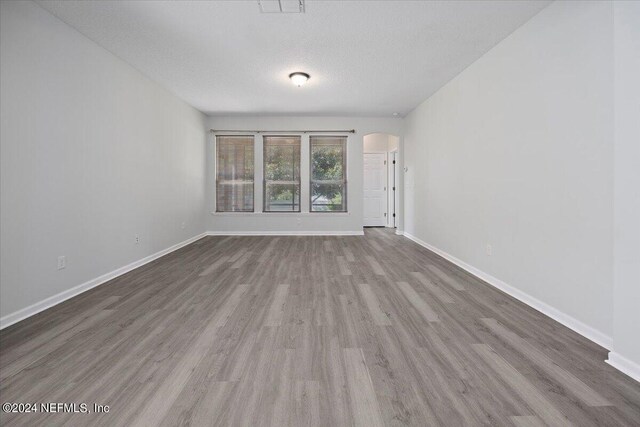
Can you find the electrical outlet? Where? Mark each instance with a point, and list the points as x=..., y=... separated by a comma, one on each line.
x=489, y=250
x=62, y=262
x=137, y=239
x=183, y=225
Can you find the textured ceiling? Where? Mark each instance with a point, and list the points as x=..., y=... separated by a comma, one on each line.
x=365, y=58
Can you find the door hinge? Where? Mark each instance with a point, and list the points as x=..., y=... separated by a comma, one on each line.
x=394, y=188
x=394, y=162
x=394, y=215
x=385, y=162
x=385, y=214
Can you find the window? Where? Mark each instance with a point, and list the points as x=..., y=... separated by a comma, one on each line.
x=234, y=174
x=281, y=174
x=328, y=174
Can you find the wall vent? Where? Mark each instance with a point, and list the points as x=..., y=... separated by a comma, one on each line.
x=281, y=6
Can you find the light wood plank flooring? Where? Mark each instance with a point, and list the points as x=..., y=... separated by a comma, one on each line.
x=305, y=331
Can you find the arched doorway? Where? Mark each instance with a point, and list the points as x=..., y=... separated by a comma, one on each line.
x=380, y=181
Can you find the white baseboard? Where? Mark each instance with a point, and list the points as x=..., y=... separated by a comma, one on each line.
x=29, y=311
x=399, y=232
x=557, y=315
x=285, y=233
x=624, y=365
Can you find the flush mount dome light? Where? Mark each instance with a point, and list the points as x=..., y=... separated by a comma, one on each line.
x=299, y=78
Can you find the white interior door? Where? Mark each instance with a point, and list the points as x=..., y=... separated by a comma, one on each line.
x=375, y=189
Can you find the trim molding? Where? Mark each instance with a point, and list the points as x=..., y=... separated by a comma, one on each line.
x=624, y=365
x=285, y=233
x=544, y=308
x=46, y=303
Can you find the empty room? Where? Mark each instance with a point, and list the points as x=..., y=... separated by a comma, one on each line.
x=320, y=213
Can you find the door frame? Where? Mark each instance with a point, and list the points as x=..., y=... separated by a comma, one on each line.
x=393, y=195
x=400, y=175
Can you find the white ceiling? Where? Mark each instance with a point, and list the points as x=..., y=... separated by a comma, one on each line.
x=365, y=58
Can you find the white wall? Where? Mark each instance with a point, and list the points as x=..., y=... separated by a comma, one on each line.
x=376, y=143
x=517, y=152
x=394, y=143
x=92, y=153
x=626, y=317
x=303, y=222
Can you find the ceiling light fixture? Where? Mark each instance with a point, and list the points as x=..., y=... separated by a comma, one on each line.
x=298, y=78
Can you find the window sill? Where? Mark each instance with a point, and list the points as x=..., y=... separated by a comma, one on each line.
x=281, y=214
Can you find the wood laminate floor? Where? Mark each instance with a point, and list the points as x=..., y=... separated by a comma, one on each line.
x=305, y=331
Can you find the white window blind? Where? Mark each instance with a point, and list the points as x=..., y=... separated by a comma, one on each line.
x=328, y=174
x=234, y=173
x=281, y=187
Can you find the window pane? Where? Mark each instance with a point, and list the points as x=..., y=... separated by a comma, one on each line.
x=235, y=158
x=327, y=162
x=281, y=173
x=234, y=197
x=328, y=174
x=281, y=159
x=234, y=173
x=328, y=197
x=282, y=197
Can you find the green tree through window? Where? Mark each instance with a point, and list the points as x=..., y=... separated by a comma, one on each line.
x=282, y=174
x=328, y=174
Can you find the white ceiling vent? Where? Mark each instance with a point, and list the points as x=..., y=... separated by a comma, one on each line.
x=281, y=6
